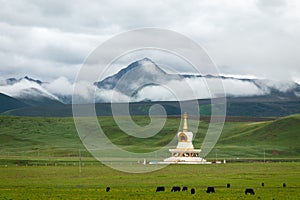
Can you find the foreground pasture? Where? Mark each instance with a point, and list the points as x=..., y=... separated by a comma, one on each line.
x=67, y=182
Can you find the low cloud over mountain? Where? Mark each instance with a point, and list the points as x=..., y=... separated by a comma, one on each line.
x=145, y=80
x=27, y=89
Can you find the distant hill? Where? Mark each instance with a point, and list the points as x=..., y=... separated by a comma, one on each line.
x=29, y=91
x=143, y=83
x=9, y=103
x=144, y=80
x=41, y=137
x=277, y=138
x=257, y=107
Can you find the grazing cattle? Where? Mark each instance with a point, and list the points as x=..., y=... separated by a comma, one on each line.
x=262, y=184
x=192, y=191
x=284, y=185
x=249, y=191
x=210, y=190
x=175, y=189
x=160, y=189
x=185, y=188
x=228, y=185
x=107, y=189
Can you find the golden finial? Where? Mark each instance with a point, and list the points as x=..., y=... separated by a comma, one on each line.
x=185, y=126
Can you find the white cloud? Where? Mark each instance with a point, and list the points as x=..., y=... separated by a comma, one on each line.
x=241, y=88
x=23, y=87
x=198, y=88
x=60, y=86
x=50, y=39
x=102, y=95
x=282, y=86
x=155, y=93
x=84, y=91
x=43, y=53
x=170, y=90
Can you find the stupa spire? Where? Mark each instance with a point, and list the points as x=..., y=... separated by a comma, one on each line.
x=185, y=152
x=185, y=126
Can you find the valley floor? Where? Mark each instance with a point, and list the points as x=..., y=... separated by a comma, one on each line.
x=69, y=182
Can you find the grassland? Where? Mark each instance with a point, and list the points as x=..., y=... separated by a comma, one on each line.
x=66, y=182
x=39, y=159
x=33, y=138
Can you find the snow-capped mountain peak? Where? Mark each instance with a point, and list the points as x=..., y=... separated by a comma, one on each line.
x=33, y=80
x=27, y=89
x=144, y=70
x=145, y=65
x=12, y=81
x=144, y=79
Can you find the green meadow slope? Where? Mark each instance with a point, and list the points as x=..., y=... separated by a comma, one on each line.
x=274, y=139
x=47, y=138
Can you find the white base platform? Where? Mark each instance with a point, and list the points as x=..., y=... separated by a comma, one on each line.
x=184, y=163
x=183, y=160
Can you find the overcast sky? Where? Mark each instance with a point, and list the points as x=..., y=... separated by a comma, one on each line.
x=51, y=39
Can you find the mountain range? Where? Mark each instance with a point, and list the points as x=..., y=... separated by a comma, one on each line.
x=143, y=83
x=145, y=76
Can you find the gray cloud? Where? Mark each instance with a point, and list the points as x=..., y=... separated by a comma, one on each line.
x=198, y=89
x=50, y=39
x=272, y=7
x=60, y=86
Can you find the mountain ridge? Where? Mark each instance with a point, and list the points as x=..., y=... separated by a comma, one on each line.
x=143, y=67
x=145, y=77
x=288, y=89
x=10, y=103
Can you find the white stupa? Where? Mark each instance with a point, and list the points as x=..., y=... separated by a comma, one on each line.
x=185, y=152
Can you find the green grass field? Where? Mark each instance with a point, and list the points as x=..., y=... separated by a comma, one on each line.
x=66, y=182
x=49, y=138
x=39, y=159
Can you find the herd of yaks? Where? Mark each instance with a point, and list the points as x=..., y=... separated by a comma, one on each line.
x=209, y=189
